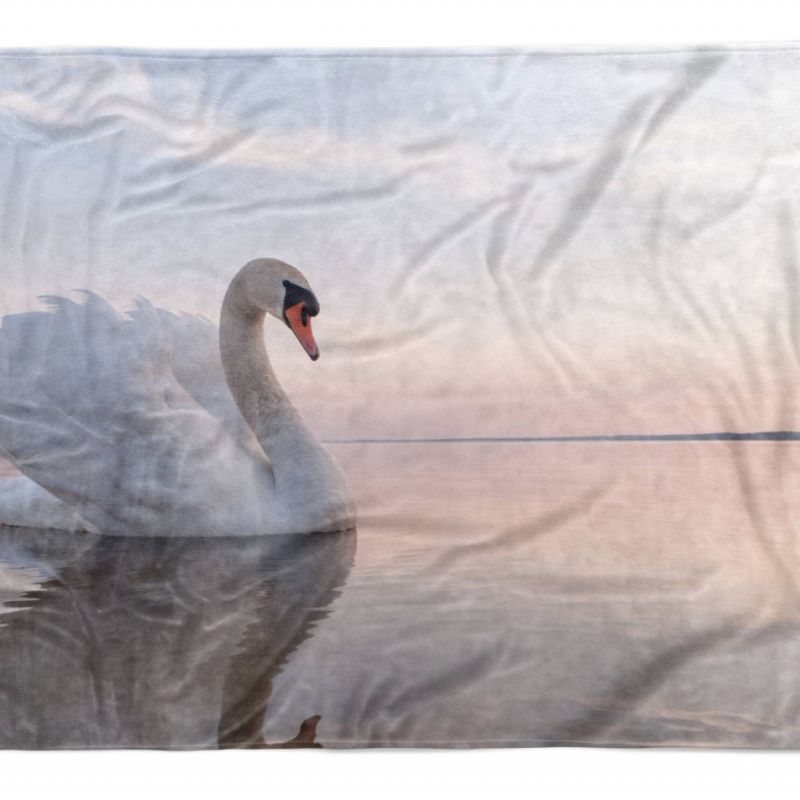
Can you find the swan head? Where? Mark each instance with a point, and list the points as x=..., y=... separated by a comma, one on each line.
x=282, y=290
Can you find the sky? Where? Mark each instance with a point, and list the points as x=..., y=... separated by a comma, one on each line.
x=502, y=245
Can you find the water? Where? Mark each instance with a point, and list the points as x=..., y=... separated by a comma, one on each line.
x=624, y=593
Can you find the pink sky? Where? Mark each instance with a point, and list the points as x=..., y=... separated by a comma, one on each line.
x=595, y=245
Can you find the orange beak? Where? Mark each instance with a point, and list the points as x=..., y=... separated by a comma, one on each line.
x=300, y=322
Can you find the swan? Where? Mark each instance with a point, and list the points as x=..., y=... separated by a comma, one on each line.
x=154, y=424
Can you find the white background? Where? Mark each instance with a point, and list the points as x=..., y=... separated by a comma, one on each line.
x=556, y=772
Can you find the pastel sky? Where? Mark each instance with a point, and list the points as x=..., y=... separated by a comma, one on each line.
x=502, y=245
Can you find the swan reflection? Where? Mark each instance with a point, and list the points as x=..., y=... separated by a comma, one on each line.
x=119, y=642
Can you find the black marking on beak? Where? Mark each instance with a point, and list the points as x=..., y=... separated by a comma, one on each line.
x=298, y=294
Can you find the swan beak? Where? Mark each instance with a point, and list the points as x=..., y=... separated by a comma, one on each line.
x=300, y=322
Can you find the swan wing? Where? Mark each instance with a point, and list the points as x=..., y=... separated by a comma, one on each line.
x=196, y=366
x=91, y=411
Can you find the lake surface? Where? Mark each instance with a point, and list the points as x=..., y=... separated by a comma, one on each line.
x=625, y=593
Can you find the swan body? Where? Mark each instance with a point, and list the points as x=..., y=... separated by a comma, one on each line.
x=159, y=425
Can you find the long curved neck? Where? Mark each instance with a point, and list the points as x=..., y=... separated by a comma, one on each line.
x=252, y=381
x=303, y=472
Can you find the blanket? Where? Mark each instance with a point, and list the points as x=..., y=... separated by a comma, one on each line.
x=400, y=399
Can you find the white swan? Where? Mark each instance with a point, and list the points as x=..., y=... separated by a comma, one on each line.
x=125, y=425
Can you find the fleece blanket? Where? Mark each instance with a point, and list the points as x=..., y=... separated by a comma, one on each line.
x=400, y=399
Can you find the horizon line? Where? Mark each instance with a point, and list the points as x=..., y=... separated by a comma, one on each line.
x=720, y=436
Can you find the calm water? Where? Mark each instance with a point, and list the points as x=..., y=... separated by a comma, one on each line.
x=619, y=593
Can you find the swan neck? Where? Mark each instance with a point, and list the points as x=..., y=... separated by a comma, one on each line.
x=248, y=371
x=312, y=493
